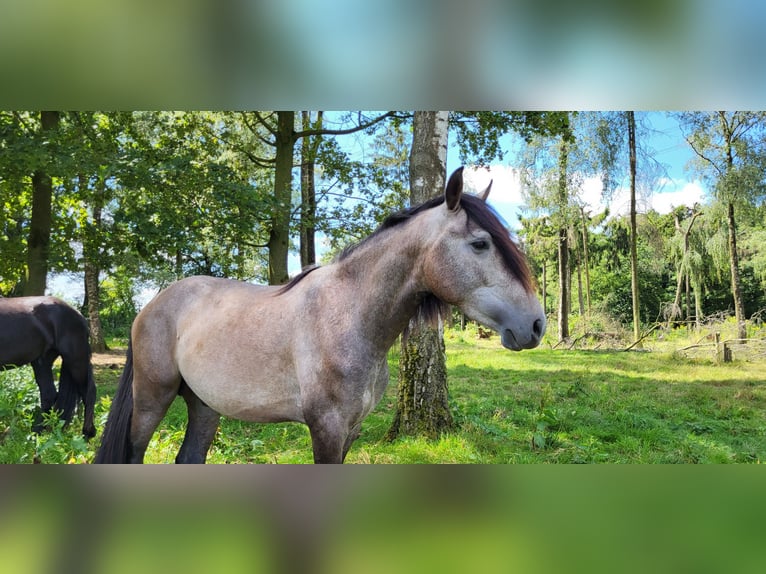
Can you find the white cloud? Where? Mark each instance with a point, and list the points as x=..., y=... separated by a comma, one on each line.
x=506, y=183
x=671, y=194
x=692, y=192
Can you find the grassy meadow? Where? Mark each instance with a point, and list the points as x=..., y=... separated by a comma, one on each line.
x=540, y=406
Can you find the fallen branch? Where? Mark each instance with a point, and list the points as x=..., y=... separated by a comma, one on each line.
x=644, y=336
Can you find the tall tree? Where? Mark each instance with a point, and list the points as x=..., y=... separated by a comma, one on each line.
x=279, y=233
x=617, y=148
x=95, y=147
x=550, y=185
x=308, y=212
x=562, y=200
x=731, y=149
x=422, y=404
x=631, y=121
x=38, y=243
x=92, y=266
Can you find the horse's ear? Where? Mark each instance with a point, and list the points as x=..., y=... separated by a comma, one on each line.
x=485, y=194
x=454, y=190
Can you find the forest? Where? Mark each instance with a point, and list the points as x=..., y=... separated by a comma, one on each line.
x=130, y=201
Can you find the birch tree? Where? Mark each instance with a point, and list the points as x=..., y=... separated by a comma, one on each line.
x=422, y=404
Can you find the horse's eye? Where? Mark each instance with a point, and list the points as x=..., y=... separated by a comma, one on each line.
x=480, y=245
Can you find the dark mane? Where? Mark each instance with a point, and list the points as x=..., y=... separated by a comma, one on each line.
x=478, y=212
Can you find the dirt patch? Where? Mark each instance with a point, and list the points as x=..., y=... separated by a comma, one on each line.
x=112, y=359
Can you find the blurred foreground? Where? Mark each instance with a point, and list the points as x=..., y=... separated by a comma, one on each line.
x=381, y=519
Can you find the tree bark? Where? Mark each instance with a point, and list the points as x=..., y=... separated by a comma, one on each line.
x=38, y=243
x=422, y=403
x=279, y=235
x=309, y=147
x=93, y=269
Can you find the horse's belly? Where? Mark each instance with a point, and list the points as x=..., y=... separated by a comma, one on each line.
x=248, y=399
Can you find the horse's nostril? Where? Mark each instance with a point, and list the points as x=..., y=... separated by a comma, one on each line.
x=537, y=328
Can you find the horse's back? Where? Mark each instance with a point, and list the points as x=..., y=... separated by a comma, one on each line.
x=31, y=326
x=196, y=298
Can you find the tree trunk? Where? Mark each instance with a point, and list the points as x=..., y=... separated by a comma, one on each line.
x=563, y=247
x=687, y=299
x=697, y=306
x=586, y=255
x=38, y=244
x=422, y=404
x=93, y=270
x=309, y=149
x=580, y=297
x=279, y=235
x=633, y=228
x=736, y=288
x=92, y=294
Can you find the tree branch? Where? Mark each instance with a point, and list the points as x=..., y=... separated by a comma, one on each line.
x=327, y=132
x=703, y=156
x=261, y=120
x=258, y=161
x=254, y=130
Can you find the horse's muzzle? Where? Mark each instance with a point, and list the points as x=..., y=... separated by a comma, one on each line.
x=516, y=341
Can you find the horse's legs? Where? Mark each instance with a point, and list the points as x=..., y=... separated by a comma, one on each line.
x=43, y=370
x=89, y=400
x=81, y=373
x=151, y=401
x=200, y=432
x=329, y=434
x=352, y=436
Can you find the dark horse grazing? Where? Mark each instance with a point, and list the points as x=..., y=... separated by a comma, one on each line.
x=37, y=330
x=314, y=351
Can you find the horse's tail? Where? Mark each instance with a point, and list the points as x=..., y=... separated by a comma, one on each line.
x=76, y=382
x=66, y=399
x=115, y=440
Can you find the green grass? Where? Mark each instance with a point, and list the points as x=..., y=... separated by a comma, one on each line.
x=538, y=406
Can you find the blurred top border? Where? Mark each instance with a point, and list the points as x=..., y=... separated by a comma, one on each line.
x=393, y=54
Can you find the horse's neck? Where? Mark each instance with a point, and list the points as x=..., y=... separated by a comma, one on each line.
x=382, y=282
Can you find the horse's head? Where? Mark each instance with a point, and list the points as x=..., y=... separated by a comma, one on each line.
x=475, y=266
